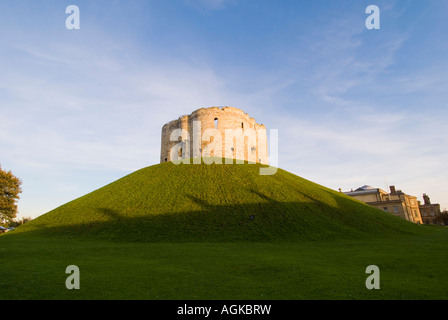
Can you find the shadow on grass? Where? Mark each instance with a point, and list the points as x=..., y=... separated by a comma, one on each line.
x=266, y=220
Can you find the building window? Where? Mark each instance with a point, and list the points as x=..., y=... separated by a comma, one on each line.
x=216, y=123
x=395, y=209
x=232, y=149
x=385, y=209
x=415, y=214
x=242, y=125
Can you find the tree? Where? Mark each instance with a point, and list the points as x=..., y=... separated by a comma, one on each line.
x=18, y=222
x=9, y=194
x=443, y=218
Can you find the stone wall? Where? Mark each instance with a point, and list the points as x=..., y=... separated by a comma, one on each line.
x=217, y=132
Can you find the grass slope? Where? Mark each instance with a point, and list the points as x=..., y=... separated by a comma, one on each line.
x=192, y=203
x=193, y=225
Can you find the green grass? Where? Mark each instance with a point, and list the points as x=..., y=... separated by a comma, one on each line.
x=183, y=232
x=213, y=203
x=411, y=268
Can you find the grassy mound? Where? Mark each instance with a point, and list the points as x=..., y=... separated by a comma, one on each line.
x=168, y=202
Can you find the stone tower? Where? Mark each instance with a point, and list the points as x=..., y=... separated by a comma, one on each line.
x=222, y=132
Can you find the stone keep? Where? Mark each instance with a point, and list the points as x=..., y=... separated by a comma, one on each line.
x=207, y=131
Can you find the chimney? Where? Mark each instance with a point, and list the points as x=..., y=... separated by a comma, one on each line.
x=426, y=199
x=392, y=190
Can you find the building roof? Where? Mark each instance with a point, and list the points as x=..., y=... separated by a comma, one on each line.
x=366, y=189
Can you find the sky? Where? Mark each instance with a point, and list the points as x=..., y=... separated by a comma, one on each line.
x=81, y=108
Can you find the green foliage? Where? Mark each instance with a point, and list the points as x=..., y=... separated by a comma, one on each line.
x=18, y=222
x=443, y=218
x=9, y=194
x=168, y=202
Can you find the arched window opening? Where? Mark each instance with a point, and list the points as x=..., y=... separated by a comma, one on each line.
x=216, y=123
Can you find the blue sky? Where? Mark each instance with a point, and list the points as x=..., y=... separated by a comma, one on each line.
x=82, y=108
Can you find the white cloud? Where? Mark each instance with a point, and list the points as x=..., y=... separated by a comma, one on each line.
x=367, y=148
x=84, y=107
x=86, y=110
x=209, y=5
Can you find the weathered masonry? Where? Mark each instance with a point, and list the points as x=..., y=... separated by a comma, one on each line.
x=215, y=132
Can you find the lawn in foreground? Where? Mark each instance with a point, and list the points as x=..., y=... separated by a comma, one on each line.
x=411, y=267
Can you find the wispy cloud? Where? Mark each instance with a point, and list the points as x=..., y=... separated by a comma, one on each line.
x=210, y=5
x=83, y=110
x=349, y=106
x=75, y=122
